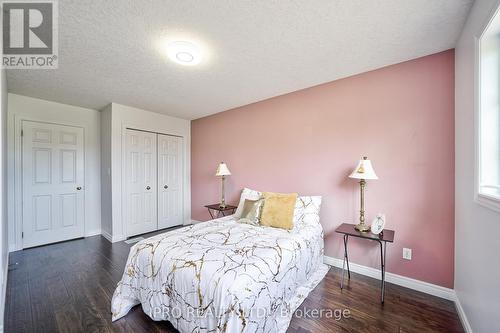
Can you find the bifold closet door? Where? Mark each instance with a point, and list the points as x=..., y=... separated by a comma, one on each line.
x=170, y=181
x=141, y=182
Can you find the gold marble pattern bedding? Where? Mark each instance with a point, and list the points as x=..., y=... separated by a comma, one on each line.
x=224, y=276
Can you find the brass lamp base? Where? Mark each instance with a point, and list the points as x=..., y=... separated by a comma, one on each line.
x=223, y=198
x=362, y=227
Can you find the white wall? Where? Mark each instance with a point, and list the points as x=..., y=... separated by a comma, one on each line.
x=22, y=107
x=477, y=268
x=3, y=196
x=106, y=187
x=123, y=117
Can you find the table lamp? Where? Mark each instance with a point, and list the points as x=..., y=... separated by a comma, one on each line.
x=223, y=171
x=363, y=171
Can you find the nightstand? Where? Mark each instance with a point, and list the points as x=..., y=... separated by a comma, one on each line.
x=224, y=211
x=386, y=236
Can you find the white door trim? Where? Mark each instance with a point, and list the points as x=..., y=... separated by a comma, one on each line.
x=17, y=196
x=130, y=125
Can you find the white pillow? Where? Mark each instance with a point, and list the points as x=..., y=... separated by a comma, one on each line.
x=306, y=211
x=249, y=194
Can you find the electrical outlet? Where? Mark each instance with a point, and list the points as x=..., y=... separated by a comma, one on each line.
x=406, y=253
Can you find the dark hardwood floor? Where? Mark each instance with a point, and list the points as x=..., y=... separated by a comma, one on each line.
x=67, y=287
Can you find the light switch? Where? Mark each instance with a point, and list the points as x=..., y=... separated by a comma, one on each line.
x=406, y=253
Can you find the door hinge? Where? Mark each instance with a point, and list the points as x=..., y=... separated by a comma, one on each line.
x=22, y=234
x=22, y=133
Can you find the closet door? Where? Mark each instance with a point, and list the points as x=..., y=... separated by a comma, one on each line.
x=141, y=182
x=170, y=181
x=53, y=178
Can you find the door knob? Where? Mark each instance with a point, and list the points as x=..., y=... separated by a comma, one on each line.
x=78, y=188
x=165, y=187
x=148, y=188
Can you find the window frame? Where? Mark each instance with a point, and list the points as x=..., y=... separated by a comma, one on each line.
x=485, y=200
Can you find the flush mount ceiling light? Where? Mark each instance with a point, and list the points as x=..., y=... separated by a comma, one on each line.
x=184, y=53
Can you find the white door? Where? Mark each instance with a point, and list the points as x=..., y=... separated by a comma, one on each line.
x=53, y=179
x=170, y=180
x=140, y=181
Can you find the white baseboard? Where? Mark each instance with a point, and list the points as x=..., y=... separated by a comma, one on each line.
x=118, y=238
x=106, y=235
x=403, y=281
x=93, y=233
x=113, y=239
x=462, y=316
x=407, y=282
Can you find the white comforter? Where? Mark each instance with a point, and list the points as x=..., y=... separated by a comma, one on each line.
x=223, y=276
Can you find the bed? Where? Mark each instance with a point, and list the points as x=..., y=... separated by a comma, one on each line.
x=225, y=276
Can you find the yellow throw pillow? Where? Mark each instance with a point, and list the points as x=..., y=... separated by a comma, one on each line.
x=278, y=210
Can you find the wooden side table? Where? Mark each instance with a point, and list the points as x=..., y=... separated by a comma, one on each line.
x=224, y=211
x=387, y=236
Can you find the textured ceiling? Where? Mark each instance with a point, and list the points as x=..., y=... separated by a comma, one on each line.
x=109, y=49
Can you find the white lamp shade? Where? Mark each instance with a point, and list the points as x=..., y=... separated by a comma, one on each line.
x=223, y=170
x=364, y=170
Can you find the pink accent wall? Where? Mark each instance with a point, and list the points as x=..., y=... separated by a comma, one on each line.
x=308, y=141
